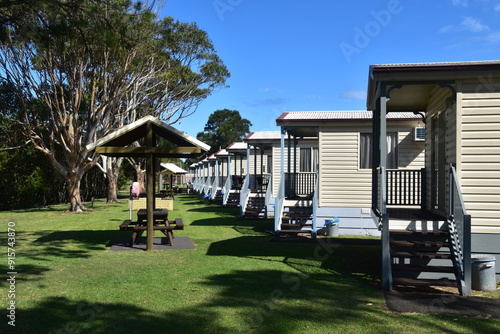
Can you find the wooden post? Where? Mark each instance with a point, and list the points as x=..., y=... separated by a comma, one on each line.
x=150, y=173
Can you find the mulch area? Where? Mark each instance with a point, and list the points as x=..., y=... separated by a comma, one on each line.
x=443, y=303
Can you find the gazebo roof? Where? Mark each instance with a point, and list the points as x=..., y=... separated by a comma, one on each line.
x=173, y=168
x=119, y=142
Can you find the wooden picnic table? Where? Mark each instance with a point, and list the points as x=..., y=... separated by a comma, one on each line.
x=158, y=214
x=161, y=223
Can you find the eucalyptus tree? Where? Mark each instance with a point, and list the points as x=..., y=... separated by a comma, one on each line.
x=184, y=69
x=77, y=59
x=224, y=127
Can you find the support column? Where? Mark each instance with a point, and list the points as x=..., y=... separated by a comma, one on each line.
x=282, y=158
x=150, y=173
x=248, y=163
x=288, y=180
x=294, y=179
x=382, y=145
x=255, y=168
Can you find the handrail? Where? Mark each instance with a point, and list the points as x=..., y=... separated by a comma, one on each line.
x=215, y=187
x=269, y=192
x=279, y=204
x=207, y=184
x=245, y=192
x=315, y=206
x=226, y=190
x=459, y=225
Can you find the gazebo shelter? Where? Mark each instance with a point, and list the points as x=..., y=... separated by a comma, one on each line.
x=175, y=172
x=151, y=133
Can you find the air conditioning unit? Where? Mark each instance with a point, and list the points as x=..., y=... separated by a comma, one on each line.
x=419, y=134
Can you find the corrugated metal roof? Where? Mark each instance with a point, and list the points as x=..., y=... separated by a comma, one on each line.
x=451, y=63
x=263, y=135
x=173, y=168
x=341, y=115
x=237, y=146
x=222, y=153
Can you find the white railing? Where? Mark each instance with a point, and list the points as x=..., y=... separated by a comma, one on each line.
x=268, y=194
x=279, y=204
x=198, y=183
x=208, y=186
x=244, y=194
x=215, y=187
x=226, y=190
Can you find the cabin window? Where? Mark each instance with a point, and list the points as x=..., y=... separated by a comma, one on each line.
x=365, y=150
x=309, y=158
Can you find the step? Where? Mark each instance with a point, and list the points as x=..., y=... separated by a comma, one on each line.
x=420, y=233
x=419, y=244
x=295, y=225
x=293, y=231
x=426, y=269
x=424, y=282
x=285, y=215
x=421, y=255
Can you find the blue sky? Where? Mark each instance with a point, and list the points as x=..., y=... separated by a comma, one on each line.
x=297, y=55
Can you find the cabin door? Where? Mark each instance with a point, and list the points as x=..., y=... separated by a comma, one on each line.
x=438, y=162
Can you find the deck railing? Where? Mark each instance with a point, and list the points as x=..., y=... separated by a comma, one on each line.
x=459, y=224
x=405, y=186
x=269, y=192
x=226, y=189
x=244, y=194
x=300, y=184
x=214, y=187
x=279, y=205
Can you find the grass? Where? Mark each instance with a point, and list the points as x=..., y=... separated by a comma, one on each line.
x=236, y=280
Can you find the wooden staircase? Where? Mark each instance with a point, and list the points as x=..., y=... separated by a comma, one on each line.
x=218, y=195
x=256, y=207
x=422, y=258
x=296, y=220
x=233, y=200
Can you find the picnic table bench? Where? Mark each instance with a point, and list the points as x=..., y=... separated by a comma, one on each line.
x=167, y=227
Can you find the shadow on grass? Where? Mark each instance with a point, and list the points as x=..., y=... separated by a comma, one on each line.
x=341, y=259
x=62, y=315
x=91, y=240
x=26, y=272
x=286, y=303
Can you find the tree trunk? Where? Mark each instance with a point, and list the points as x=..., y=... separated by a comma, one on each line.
x=75, y=199
x=140, y=175
x=112, y=174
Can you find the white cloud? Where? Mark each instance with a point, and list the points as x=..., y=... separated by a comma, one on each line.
x=472, y=24
x=467, y=24
x=354, y=95
x=493, y=38
x=461, y=3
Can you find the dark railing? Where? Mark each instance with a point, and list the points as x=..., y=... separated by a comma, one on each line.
x=459, y=225
x=300, y=184
x=405, y=187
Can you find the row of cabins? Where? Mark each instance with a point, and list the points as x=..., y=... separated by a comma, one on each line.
x=420, y=168
x=326, y=157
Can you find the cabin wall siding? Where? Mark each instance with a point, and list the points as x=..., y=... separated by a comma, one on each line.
x=480, y=153
x=438, y=105
x=343, y=183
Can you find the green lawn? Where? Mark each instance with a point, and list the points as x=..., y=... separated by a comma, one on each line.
x=235, y=281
